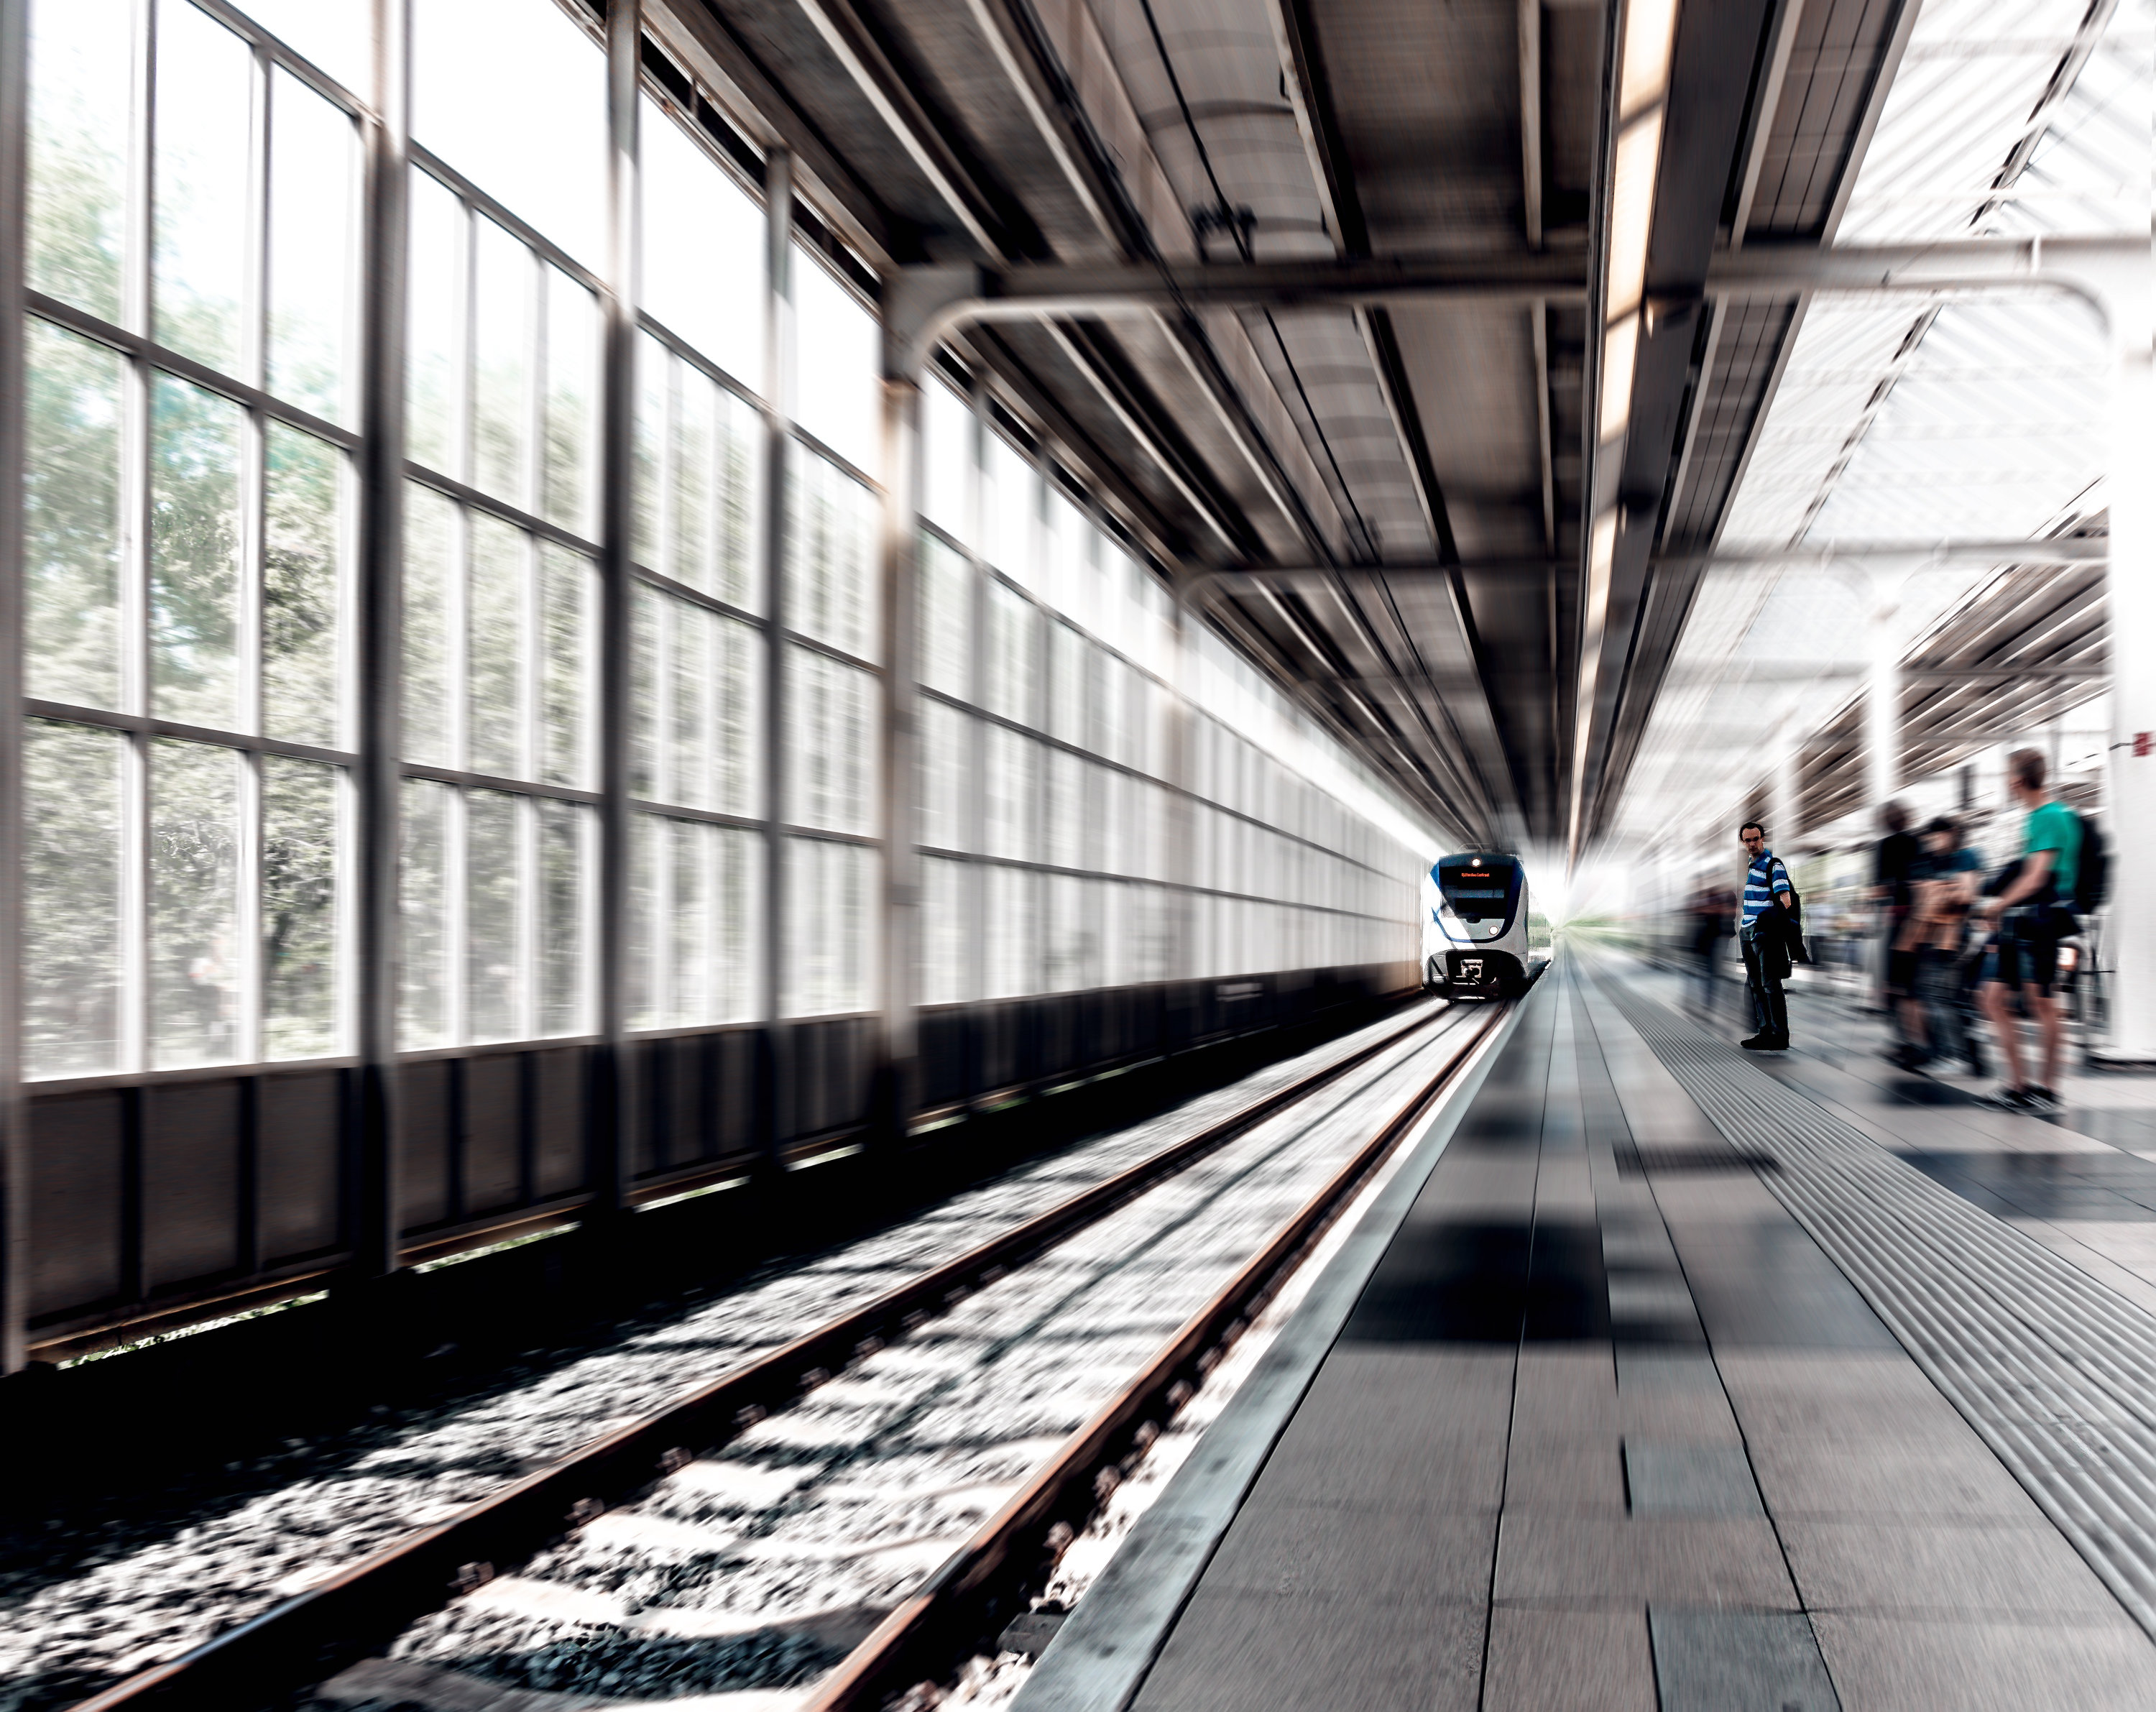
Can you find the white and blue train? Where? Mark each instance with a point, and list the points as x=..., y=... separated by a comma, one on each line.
x=1474, y=927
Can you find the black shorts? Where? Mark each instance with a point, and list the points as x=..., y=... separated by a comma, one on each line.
x=2024, y=954
x=1901, y=973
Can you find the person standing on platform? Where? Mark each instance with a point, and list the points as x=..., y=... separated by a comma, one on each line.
x=1762, y=939
x=1934, y=1021
x=1894, y=871
x=1710, y=927
x=2032, y=914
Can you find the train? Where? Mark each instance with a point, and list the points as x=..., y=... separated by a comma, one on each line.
x=1474, y=927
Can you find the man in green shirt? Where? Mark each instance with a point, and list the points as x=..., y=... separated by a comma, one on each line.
x=2032, y=914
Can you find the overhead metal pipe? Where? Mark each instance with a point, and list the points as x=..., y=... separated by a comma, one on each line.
x=1913, y=557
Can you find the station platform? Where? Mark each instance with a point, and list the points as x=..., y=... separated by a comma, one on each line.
x=1667, y=1375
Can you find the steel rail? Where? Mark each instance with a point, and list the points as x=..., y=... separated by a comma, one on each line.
x=959, y=1606
x=311, y=1635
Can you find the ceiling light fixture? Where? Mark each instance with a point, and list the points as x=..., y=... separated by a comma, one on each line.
x=1651, y=34
x=1631, y=214
x=1620, y=349
x=1647, y=53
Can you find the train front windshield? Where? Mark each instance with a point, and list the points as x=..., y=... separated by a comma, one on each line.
x=1480, y=889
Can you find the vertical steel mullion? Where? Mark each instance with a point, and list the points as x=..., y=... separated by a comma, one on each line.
x=249, y=972
x=976, y=833
x=898, y=1073
x=612, y=1134
x=378, y=782
x=773, y=1115
x=456, y=915
x=14, y=1117
x=660, y=974
x=525, y=1022
x=138, y=394
x=1182, y=874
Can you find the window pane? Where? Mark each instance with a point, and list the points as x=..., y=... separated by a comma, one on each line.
x=1011, y=502
x=205, y=109
x=302, y=587
x=494, y=939
x=505, y=284
x=71, y=522
x=1012, y=655
x=565, y=850
x=534, y=60
x=79, y=95
x=831, y=554
x=1009, y=775
x=838, y=363
x=1013, y=945
x=299, y=961
x=194, y=554
x=1068, y=544
x=831, y=743
x=434, y=328
x=573, y=358
x=568, y=598
x=946, y=604
x=712, y=678
x=1061, y=830
x=946, y=771
x=830, y=927
x=430, y=524
x=71, y=969
x=313, y=159
x=946, y=457
x=1066, y=673
x=706, y=519
x=494, y=666
x=194, y=898
x=947, y=930
x=336, y=35
x=693, y=956
x=423, y=895
x=703, y=249
x=654, y=382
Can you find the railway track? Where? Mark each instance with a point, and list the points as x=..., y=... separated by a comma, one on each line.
x=310, y=1636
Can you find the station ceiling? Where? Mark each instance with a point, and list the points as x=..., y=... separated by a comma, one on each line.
x=1441, y=466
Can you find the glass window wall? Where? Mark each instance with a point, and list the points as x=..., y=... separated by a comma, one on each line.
x=1106, y=795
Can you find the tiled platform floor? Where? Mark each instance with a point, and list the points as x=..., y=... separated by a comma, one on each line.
x=1606, y=1429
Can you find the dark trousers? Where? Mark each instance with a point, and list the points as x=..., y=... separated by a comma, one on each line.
x=1770, y=1009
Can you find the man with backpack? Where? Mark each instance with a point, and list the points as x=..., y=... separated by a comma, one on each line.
x=2033, y=912
x=1764, y=937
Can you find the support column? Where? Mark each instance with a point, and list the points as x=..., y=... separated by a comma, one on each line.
x=1782, y=795
x=2129, y=928
x=1882, y=701
x=774, y=1109
x=14, y=1124
x=614, y=1095
x=897, y=1077
x=375, y=1222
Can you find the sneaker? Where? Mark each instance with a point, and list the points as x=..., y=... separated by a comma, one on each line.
x=2042, y=1098
x=1761, y=1042
x=2014, y=1099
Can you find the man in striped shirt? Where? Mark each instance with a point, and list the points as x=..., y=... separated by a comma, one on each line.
x=1766, y=958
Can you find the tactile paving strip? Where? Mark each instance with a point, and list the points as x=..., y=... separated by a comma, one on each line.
x=2054, y=1371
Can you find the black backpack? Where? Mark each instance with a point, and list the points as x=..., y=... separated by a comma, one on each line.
x=1794, y=932
x=2092, y=876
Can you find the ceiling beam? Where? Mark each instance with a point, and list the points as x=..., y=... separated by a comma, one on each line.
x=923, y=305
x=2062, y=550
